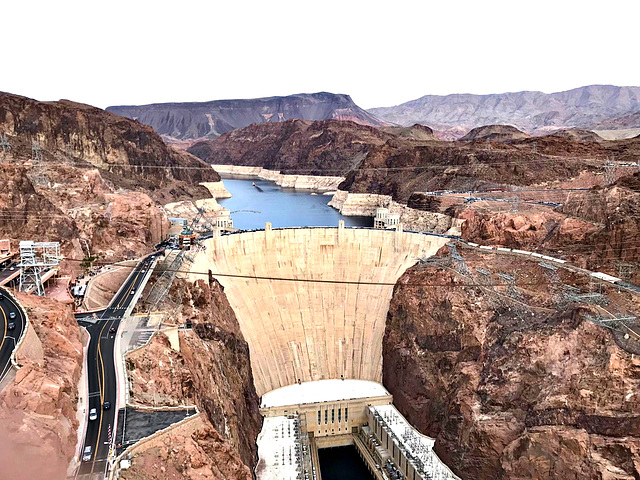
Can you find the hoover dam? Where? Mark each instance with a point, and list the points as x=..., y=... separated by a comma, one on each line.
x=300, y=331
x=315, y=333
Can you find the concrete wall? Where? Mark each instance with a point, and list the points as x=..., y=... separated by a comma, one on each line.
x=313, y=331
x=326, y=419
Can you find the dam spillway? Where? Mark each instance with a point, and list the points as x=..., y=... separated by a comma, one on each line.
x=301, y=331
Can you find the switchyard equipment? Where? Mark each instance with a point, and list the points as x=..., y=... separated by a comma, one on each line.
x=36, y=258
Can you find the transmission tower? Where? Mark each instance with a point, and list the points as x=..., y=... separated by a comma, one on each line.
x=512, y=291
x=36, y=258
x=515, y=204
x=4, y=143
x=591, y=298
x=36, y=151
x=609, y=174
x=458, y=262
x=626, y=270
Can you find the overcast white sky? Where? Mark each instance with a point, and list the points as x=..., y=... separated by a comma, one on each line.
x=380, y=53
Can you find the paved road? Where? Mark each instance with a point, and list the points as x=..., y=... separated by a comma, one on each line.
x=102, y=374
x=9, y=338
x=7, y=272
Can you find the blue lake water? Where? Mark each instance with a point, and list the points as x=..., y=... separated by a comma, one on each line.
x=251, y=207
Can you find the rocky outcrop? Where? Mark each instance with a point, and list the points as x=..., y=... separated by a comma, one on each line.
x=212, y=119
x=631, y=120
x=306, y=182
x=511, y=391
x=581, y=107
x=97, y=185
x=366, y=204
x=129, y=154
x=578, y=134
x=38, y=422
x=328, y=147
x=494, y=133
x=594, y=229
x=414, y=132
x=401, y=168
x=212, y=369
x=190, y=451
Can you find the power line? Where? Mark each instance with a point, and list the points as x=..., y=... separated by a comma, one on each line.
x=473, y=163
x=325, y=281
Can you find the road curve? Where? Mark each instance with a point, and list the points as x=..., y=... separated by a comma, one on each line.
x=9, y=337
x=101, y=373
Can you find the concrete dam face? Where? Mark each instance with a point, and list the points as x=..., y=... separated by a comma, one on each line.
x=305, y=331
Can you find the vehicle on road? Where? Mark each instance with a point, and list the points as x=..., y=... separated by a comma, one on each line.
x=11, y=325
x=86, y=454
x=112, y=330
x=1, y=296
x=93, y=414
x=106, y=405
x=133, y=291
x=12, y=315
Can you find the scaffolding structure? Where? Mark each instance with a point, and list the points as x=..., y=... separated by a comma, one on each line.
x=36, y=258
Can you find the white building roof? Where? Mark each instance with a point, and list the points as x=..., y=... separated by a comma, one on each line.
x=322, y=391
x=411, y=441
x=277, y=448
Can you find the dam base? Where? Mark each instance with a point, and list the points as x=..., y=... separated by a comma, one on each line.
x=303, y=418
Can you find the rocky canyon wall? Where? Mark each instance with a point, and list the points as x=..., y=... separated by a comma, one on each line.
x=213, y=370
x=510, y=391
x=365, y=204
x=38, y=424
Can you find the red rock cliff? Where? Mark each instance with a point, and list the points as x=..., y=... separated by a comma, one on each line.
x=511, y=392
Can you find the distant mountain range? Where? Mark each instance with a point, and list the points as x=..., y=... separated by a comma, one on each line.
x=530, y=111
x=202, y=120
x=601, y=107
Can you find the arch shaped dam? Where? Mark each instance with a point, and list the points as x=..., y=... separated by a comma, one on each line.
x=304, y=330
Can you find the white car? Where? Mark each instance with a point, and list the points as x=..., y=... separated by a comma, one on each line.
x=86, y=454
x=93, y=414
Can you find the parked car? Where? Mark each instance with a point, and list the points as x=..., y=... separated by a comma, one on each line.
x=86, y=454
x=93, y=414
